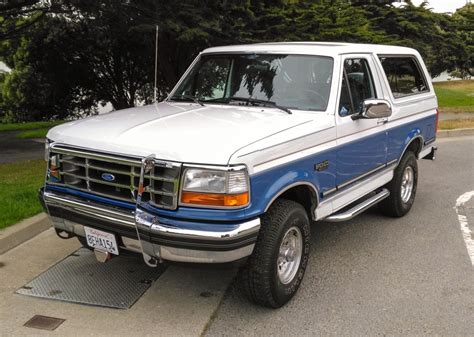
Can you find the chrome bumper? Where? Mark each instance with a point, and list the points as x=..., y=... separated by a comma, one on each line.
x=141, y=231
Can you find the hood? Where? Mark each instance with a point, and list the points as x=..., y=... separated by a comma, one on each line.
x=183, y=132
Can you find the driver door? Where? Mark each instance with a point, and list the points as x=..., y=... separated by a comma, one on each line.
x=362, y=143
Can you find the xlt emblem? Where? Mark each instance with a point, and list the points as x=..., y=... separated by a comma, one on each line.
x=108, y=176
x=321, y=166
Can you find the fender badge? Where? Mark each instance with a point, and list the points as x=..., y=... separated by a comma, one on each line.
x=321, y=166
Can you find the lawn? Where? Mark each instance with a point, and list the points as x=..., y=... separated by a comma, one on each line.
x=28, y=126
x=19, y=183
x=28, y=134
x=455, y=96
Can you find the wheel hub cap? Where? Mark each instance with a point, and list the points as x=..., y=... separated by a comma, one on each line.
x=289, y=257
x=407, y=184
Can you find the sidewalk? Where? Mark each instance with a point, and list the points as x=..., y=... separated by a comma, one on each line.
x=180, y=303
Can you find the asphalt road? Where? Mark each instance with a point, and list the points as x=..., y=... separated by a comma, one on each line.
x=370, y=276
x=381, y=276
x=13, y=149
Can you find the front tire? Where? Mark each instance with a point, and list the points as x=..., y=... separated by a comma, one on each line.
x=402, y=187
x=276, y=267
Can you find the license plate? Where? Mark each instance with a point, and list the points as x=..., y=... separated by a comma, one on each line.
x=101, y=240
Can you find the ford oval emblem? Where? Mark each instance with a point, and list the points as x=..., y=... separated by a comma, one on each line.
x=108, y=176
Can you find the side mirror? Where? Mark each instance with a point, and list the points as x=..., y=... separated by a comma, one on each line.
x=374, y=108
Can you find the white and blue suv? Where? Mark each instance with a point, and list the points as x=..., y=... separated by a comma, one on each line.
x=253, y=144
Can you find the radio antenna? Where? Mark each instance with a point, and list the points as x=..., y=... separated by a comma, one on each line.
x=155, y=88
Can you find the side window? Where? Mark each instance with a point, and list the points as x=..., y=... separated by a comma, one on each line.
x=404, y=76
x=357, y=86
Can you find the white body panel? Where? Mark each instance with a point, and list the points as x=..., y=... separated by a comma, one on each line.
x=261, y=138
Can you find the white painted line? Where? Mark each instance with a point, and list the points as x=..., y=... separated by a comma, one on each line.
x=462, y=218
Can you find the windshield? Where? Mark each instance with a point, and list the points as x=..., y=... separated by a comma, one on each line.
x=289, y=81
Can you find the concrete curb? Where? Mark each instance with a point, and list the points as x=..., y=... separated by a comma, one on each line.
x=15, y=235
x=455, y=133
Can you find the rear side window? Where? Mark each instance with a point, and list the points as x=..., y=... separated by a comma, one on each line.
x=404, y=75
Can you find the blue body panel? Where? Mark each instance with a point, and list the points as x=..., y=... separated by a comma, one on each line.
x=345, y=162
x=361, y=156
x=401, y=136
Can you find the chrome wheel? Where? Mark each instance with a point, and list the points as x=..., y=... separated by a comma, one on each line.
x=407, y=184
x=289, y=258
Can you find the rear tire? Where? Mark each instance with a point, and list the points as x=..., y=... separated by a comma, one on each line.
x=402, y=187
x=276, y=267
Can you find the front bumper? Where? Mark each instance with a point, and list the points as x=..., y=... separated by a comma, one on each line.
x=140, y=231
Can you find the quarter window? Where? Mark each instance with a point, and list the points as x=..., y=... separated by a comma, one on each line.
x=404, y=76
x=357, y=86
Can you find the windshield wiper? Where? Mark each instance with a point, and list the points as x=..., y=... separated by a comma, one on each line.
x=187, y=98
x=256, y=102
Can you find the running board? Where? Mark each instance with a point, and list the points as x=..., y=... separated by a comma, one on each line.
x=359, y=208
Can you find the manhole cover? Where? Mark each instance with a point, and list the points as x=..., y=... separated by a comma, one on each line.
x=44, y=322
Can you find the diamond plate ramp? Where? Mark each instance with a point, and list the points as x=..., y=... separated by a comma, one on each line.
x=80, y=278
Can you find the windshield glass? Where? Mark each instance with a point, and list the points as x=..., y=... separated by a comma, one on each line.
x=290, y=81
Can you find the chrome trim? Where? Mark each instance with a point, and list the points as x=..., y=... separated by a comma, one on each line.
x=204, y=256
x=328, y=192
x=242, y=230
x=153, y=251
x=86, y=182
x=359, y=208
x=97, y=210
x=349, y=189
x=362, y=176
x=391, y=162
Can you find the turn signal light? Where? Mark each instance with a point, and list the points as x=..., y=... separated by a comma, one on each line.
x=214, y=199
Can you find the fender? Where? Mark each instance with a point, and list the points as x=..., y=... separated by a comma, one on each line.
x=275, y=188
x=411, y=137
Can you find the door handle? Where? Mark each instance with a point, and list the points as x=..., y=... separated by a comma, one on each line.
x=382, y=121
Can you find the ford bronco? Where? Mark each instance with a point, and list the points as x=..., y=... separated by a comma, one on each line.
x=253, y=144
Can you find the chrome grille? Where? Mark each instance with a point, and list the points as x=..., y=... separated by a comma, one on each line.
x=87, y=171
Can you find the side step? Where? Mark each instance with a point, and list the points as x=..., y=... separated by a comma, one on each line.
x=358, y=208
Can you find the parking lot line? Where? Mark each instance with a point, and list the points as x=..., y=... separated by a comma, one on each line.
x=464, y=224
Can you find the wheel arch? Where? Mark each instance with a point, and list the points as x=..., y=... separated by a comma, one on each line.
x=414, y=143
x=302, y=192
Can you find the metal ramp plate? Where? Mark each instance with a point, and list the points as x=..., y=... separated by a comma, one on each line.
x=80, y=278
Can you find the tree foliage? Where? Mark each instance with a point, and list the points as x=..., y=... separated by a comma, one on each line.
x=69, y=56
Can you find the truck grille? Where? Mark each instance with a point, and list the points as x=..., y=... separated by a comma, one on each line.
x=116, y=177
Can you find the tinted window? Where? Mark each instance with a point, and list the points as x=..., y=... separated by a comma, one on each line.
x=361, y=86
x=404, y=76
x=292, y=81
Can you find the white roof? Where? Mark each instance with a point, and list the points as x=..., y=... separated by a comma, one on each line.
x=317, y=48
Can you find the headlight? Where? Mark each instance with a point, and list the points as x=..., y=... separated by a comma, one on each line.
x=221, y=188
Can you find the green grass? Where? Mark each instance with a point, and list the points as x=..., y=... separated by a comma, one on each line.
x=19, y=183
x=455, y=96
x=28, y=126
x=39, y=133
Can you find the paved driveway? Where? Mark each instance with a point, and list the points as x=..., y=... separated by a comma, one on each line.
x=379, y=276
x=13, y=149
x=370, y=276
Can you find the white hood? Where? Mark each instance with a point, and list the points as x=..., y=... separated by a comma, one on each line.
x=182, y=132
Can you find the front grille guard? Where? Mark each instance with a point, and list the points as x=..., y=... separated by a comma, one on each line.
x=143, y=220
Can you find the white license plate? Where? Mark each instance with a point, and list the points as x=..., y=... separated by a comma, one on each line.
x=101, y=240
